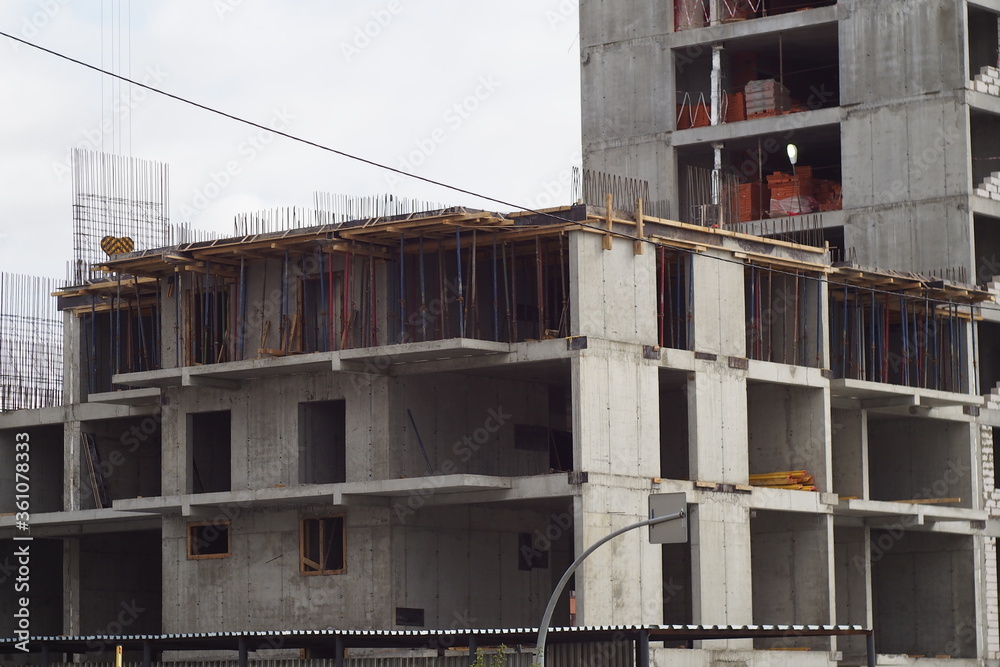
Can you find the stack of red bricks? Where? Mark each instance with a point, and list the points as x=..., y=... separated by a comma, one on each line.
x=766, y=97
x=786, y=187
x=735, y=109
x=829, y=194
x=749, y=200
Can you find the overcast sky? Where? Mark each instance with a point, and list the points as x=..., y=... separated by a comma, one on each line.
x=483, y=95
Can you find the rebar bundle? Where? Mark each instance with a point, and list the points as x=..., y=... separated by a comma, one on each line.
x=592, y=187
x=335, y=209
x=30, y=343
x=119, y=197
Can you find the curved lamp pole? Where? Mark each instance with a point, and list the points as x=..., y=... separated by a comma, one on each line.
x=543, y=629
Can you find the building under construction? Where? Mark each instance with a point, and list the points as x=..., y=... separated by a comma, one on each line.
x=386, y=417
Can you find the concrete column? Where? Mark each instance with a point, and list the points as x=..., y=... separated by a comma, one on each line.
x=720, y=568
x=719, y=309
x=72, y=466
x=74, y=383
x=71, y=586
x=174, y=453
x=621, y=582
x=717, y=423
x=615, y=417
x=849, y=429
x=613, y=292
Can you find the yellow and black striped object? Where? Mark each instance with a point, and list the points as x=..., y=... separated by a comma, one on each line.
x=114, y=245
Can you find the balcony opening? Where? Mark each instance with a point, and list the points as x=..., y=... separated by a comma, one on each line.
x=932, y=576
x=675, y=447
x=120, y=573
x=760, y=192
x=210, y=443
x=922, y=460
x=984, y=50
x=121, y=459
x=905, y=339
x=43, y=450
x=674, y=298
x=784, y=322
x=985, y=129
x=762, y=76
x=48, y=595
x=124, y=339
x=790, y=570
x=786, y=428
x=322, y=442
x=211, y=325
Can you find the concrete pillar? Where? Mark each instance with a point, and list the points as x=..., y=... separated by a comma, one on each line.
x=71, y=586
x=717, y=423
x=72, y=466
x=74, y=382
x=613, y=292
x=719, y=308
x=720, y=568
x=621, y=582
x=849, y=431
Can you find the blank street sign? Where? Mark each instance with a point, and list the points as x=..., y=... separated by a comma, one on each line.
x=668, y=532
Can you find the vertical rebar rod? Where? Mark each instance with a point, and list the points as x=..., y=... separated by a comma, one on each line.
x=461, y=294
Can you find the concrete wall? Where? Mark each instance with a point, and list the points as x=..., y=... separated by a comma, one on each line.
x=259, y=586
x=45, y=471
x=613, y=291
x=932, y=577
x=45, y=586
x=922, y=458
x=849, y=457
x=265, y=443
x=852, y=559
x=791, y=563
x=129, y=451
x=460, y=565
x=910, y=49
x=788, y=430
x=118, y=579
x=466, y=425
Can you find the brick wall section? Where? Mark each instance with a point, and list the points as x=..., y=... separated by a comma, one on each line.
x=992, y=505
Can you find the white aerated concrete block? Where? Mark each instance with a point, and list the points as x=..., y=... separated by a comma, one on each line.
x=995, y=196
x=981, y=87
x=994, y=89
x=982, y=192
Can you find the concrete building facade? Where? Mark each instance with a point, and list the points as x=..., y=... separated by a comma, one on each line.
x=418, y=421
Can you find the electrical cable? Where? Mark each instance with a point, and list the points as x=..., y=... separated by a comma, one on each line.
x=329, y=149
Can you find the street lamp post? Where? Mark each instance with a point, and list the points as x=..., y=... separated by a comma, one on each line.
x=793, y=157
x=543, y=628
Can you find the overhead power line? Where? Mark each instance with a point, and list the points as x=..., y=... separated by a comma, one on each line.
x=379, y=165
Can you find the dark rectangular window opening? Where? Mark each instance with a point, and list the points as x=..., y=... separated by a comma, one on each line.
x=208, y=540
x=210, y=438
x=530, y=556
x=322, y=546
x=410, y=617
x=323, y=442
